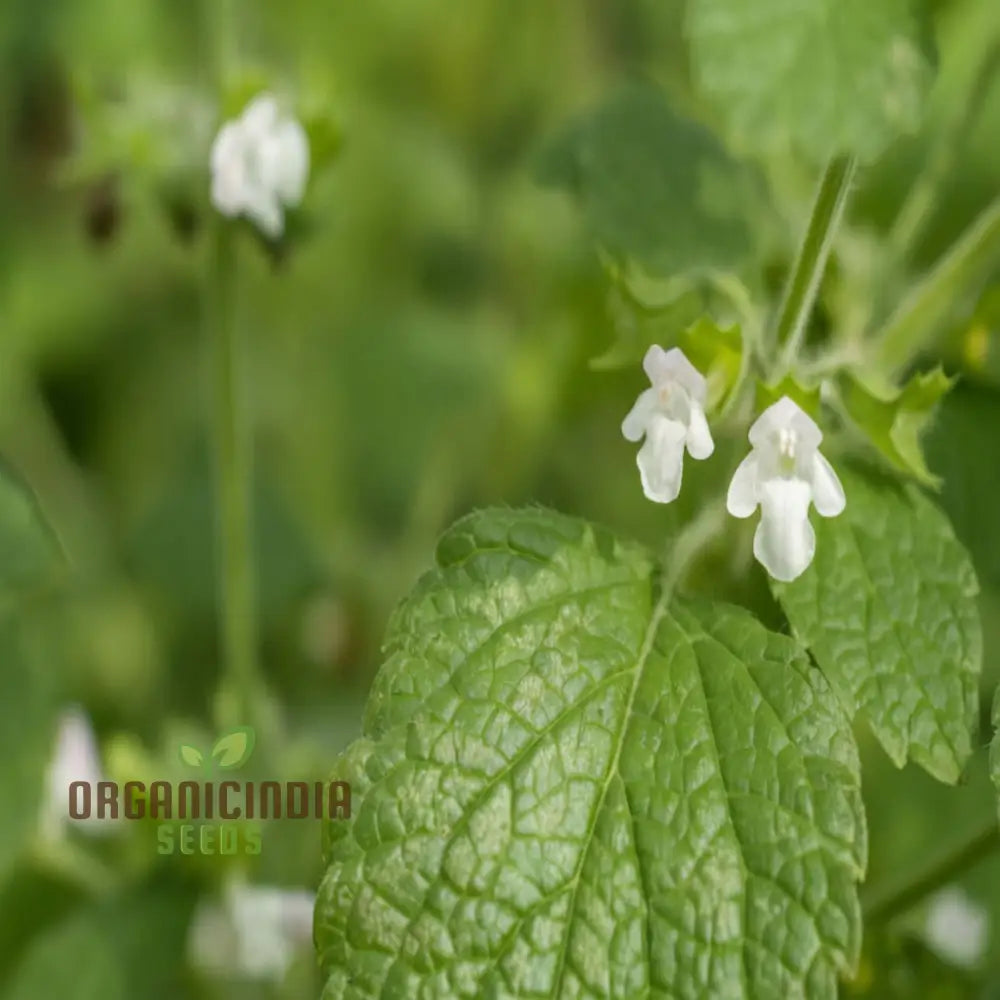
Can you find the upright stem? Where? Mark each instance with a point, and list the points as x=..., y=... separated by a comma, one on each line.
x=915, y=211
x=234, y=473
x=913, y=325
x=881, y=906
x=232, y=430
x=810, y=263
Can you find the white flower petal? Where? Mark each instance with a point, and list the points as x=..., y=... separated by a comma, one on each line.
x=75, y=758
x=673, y=366
x=785, y=415
x=784, y=542
x=634, y=424
x=741, y=500
x=827, y=491
x=957, y=928
x=266, y=214
x=290, y=181
x=661, y=459
x=699, y=438
x=253, y=932
x=260, y=116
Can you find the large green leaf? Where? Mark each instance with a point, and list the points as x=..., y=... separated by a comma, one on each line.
x=821, y=76
x=569, y=788
x=30, y=567
x=888, y=608
x=653, y=186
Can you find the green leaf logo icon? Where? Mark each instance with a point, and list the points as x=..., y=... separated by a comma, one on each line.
x=191, y=756
x=233, y=749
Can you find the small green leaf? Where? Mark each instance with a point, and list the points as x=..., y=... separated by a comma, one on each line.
x=233, y=749
x=888, y=609
x=807, y=398
x=568, y=788
x=652, y=185
x=191, y=756
x=717, y=352
x=895, y=419
x=821, y=76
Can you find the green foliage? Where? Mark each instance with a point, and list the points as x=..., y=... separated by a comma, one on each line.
x=807, y=397
x=820, y=76
x=563, y=788
x=652, y=185
x=888, y=609
x=31, y=567
x=895, y=419
x=111, y=950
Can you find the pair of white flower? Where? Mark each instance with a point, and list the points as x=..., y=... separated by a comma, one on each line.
x=260, y=165
x=782, y=475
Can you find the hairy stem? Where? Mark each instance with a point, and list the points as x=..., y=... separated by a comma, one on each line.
x=810, y=262
x=914, y=325
x=884, y=904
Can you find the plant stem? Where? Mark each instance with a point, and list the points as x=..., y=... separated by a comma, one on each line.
x=916, y=209
x=810, y=263
x=234, y=474
x=912, y=327
x=880, y=906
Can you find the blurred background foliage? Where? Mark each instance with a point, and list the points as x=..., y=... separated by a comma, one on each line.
x=420, y=349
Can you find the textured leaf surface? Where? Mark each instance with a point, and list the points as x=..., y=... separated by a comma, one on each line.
x=652, y=185
x=30, y=565
x=888, y=609
x=567, y=789
x=822, y=76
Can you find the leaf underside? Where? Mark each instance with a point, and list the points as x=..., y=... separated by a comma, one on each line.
x=567, y=788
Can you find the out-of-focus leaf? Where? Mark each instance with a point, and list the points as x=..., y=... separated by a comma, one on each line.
x=964, y=447
x=820, y=76
x=894, y=420
x=31, y=567
x=128, y=946
x=888, y=609
x=559, y=791
x=652, y=185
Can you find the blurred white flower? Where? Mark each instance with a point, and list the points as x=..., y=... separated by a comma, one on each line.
x=260, y=164
x=782, y=475
x=254, y=932
x=671, y=415
x=956, y=927
x=75, y=758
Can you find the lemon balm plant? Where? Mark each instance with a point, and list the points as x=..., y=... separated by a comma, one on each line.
x=580, y=776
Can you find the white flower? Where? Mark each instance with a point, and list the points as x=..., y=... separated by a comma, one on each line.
x=956, y=927
x=782, y=474
x=75, y=758
x=254, y=932
x=260, y=163
x=671, y=415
